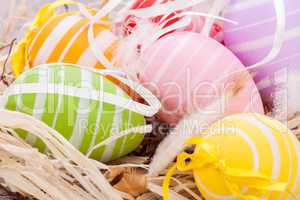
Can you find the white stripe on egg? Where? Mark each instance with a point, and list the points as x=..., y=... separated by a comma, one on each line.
x=71, y=42
x=55, y=37
x=79, y=128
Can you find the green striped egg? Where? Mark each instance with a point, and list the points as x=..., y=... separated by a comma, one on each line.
x=85, y=122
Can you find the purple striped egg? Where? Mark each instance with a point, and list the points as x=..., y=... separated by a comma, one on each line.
x=252, y=39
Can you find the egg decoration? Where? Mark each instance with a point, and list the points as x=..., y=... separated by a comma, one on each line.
x=187, y=71
x=64, y=38
x=245, y=156
x=81, y=104
x=253, y=38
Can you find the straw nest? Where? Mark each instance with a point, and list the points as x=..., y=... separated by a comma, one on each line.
x=66, y=173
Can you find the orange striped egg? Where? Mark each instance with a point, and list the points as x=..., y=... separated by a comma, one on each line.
x=63, y=38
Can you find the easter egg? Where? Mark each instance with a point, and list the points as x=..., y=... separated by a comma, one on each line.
x=82, y=105
x=63, y=38
x=246, y=147
x=252, y=39
x=187, y=71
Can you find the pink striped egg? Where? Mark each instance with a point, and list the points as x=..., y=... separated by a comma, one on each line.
x=252, y=39
x=186, y=71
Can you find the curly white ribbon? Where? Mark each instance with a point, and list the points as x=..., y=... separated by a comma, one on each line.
x=116, y=136
x=216, y=8
x=279, y=6
x=96, y=19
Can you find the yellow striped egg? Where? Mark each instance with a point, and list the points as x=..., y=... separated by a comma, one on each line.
x=64, y=38
x=253, y=143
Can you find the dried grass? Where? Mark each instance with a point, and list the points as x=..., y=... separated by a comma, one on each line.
x=67, y=174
